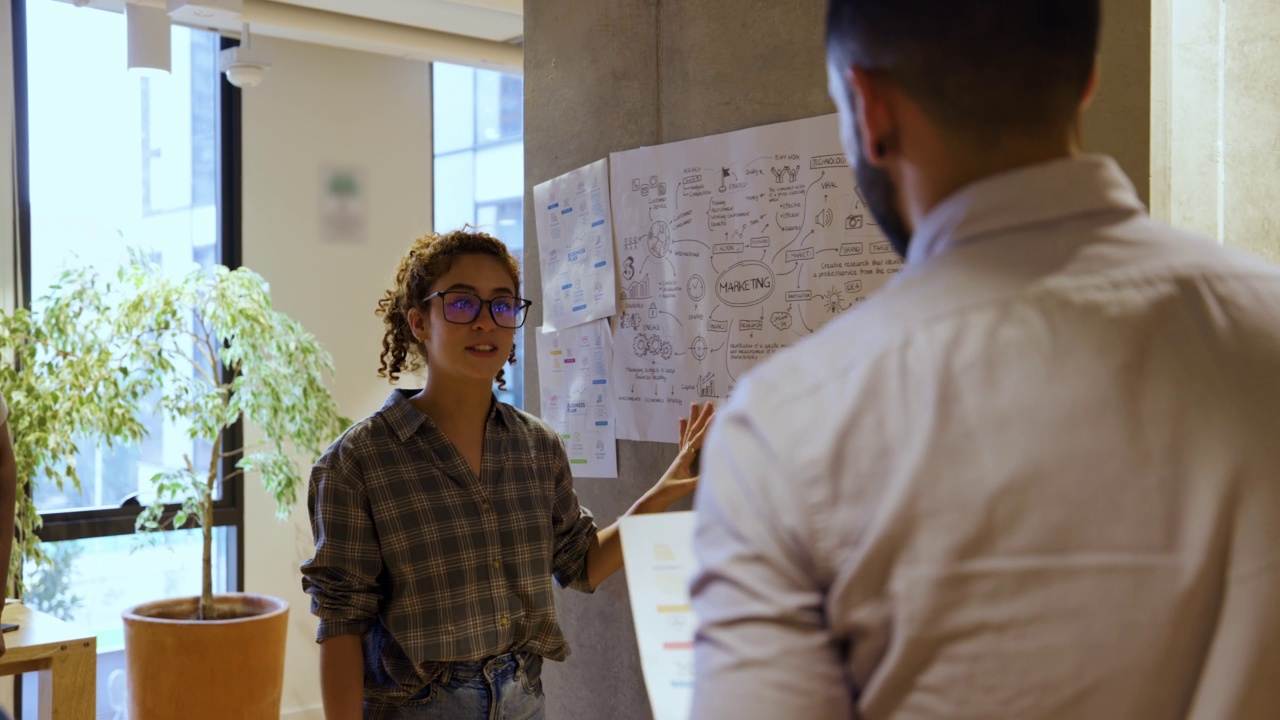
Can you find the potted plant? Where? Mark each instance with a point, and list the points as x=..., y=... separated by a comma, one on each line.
x=205, y=349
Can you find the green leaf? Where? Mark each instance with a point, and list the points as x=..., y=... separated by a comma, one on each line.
x=94, y=358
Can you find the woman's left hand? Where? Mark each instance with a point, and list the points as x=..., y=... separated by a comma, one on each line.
x=681, y=478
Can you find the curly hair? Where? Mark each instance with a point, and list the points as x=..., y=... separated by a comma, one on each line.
x=430, y=257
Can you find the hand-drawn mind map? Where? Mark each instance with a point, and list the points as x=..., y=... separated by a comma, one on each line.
x=730, y=248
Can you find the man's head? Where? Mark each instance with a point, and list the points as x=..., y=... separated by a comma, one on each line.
x=977, y=75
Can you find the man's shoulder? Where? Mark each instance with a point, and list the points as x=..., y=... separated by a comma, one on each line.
x=811, y=370
x=1198, y=251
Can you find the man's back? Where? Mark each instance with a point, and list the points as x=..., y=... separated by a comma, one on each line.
x=1036, y=477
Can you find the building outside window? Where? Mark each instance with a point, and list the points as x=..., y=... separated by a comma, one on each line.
x=478, y=121
x=117, y=160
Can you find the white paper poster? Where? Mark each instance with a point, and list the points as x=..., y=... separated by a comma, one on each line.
x=575, y=247
x=730, y=248
x=577, y=400
x=657, y=553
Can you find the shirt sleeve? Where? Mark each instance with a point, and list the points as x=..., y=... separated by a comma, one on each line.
x=761, y=650
x=575, y=528
x=342, y=577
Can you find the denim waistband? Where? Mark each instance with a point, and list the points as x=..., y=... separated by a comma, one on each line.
x=466, y=669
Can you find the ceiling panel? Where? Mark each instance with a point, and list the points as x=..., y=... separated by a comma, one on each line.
x=500, y=20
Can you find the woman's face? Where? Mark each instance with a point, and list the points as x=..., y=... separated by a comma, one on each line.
x=476, y=350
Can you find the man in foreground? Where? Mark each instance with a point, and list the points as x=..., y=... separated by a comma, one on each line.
x=1038, y=475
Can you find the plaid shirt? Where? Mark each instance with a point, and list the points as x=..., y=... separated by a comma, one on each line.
x=432, y=564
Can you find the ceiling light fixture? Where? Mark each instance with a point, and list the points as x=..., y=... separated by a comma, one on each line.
x=148, y=38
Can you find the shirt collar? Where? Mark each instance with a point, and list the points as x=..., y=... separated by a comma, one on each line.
x=405, y=419
x=1036, y=195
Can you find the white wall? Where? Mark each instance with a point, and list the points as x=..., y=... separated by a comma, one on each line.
x=323, y=106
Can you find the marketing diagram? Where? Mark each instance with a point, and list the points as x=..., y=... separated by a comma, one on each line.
x=730, y=248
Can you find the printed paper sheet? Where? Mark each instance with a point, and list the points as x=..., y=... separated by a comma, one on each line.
x=575, y=247
x=657, y=551
x=577, y=400
x=730, y=248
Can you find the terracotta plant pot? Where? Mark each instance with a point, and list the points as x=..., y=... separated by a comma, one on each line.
x=180, y=667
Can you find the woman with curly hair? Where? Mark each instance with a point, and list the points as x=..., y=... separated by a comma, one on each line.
x=440, y=520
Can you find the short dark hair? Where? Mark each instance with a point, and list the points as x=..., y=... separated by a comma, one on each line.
x=975, y=64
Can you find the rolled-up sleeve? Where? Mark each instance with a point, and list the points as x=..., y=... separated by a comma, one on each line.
x=342, y=577
x=575, y=528
x=761, y=649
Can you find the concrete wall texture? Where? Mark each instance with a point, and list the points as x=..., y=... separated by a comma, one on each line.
x=603, y=77
x=1220, y=80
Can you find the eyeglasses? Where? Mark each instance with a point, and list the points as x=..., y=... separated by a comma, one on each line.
x=463, y=308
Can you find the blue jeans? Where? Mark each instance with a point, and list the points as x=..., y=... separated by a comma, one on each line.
x=507, y=687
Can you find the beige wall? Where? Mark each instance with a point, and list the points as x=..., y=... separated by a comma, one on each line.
x=323, y=106
x=1118, y=122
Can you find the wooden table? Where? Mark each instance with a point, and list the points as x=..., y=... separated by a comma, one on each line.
x=65, y=658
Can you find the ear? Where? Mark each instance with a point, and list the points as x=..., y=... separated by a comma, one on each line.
x=418, y=325
x=873, y=109
x=1090, y=88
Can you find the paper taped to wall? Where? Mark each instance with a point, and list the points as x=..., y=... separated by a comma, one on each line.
x=731, y=248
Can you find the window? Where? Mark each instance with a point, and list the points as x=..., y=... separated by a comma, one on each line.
x=478, y=117
x=113, y=161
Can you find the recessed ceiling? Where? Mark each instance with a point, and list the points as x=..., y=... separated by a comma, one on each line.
x=500, y=20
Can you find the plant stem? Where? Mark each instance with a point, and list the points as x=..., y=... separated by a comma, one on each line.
x=206, y=529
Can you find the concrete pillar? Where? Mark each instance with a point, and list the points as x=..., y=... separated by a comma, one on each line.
x=1251, y=126
x=608, y=76
x=1221, y=140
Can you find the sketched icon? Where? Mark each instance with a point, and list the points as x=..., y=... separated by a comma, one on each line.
x=833, y=302
x=659, y=239
x=699, y=348
x=697, y=288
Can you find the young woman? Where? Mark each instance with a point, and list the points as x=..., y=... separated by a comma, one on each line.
x=440, y=520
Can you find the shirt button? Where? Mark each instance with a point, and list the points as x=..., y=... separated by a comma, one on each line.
x=502, y=622
x=496, y=564
x=484, y=506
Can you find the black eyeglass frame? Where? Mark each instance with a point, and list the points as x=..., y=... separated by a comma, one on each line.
x=522, y=307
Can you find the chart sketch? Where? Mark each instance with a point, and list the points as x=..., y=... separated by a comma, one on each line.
x=731, y=248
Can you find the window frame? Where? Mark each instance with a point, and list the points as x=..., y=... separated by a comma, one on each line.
x=84, y=524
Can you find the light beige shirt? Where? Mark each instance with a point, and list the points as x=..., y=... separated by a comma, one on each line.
x=1036, y=477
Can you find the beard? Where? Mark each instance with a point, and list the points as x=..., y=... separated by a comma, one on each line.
x=878, y=191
